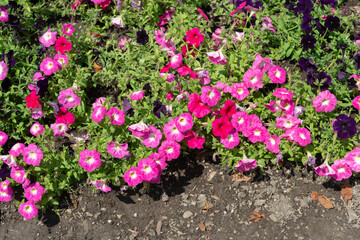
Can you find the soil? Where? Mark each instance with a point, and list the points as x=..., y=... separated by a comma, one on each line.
x=176, y=208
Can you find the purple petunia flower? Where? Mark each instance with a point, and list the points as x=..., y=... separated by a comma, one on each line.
x=332, y=23
x=142, y=37
x=308, y=42
x=345, y=126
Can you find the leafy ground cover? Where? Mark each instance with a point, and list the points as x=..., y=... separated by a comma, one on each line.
x=108, y=93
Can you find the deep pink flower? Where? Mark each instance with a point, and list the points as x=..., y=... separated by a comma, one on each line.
x=287, y=122
x=302, y=136
x=193, y=140
x=228, y=109
x=185, y=70
x=273, y=106
x=356, y=103
x=5, y=196
x=117, y=150
x=101, y=185
x=89, y=160
x=3, y=138
x=353, y=159
x=287, y=106
x=62, y=45
x=325, y=102
x=38, y=76
x=48, y=38
x=34, y=192
x=139, y=129
x=264, y=64
x=203, y=14
x=98, y=102
x=32, y=100
x=138, y=95
x=18, y=174
x=342, y=170
x=277, y=74
x=98, y=114
x=16, y=149
x=117, y=116
x=61, y=60
x=194, y=37
x=283, y=94
x=222, y=127
x=132, y=177
x=184, y=122
x=272, y=143
x=231, y=140
x=4, y=16
x=68, y=98
x=239, y=91
x=3, y=70
x=222, y=86
x=59, y=129
x=148, y=169
x=216, y=37
x=324, y=170
x=64, y=116
x=204, y=77
x=217, y=57
x=238, y=9
x=172, y=132
x=170, y=149
x=68, y=29
x=210, y=95
x=196, y=107
x=28, y=210
x=246, y=164
x=252, y=120
x=176, y=61
x=36, y=129
x=252, y=78
x=153, y=137
x=258, y=133
x=48, y=66
x=239, y=121
x=32, y=155
x=4, y=186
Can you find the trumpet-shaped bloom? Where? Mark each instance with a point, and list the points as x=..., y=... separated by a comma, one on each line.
x=98, y=114
x=28, y=210
x=5, y=196
x=287, y=122
x=68, y=98
x=277, y=74
x=152, y=138
x=229, y=109
x=117, y=150
x=117, y=116
x=138, y=95
x=324, y=170
x=287, y=106
x=193, y=140
x=239, y=91
x=61, y=60
x=217, y=57
x=101, y=185
x=210, y=95
x=172, y=132
x=139, y=129
x=32, y=155
x=252, y=78
x=345, y=126
x=3, y=138
x=148, y=169
x=325, y=102
x=48, y=38
x=194, y=37
x=176, y=61
x=3, y=70
x=184, y=122
x=272, y=143
x=246, y=164
x=160, y=160
x=258, y=133
x=170, y=149
x=231, y=140
x=16, y=149
x=222, y=127
x=132, y=177
x=4, y=16
x=196, y=107
x=36, y=129
x=62, y=45
x=68, y=29
x=342, y=170
x=32, y=100
x=283, y=94
x=302, y=136
x=239, y=121
x=263, y=64
x=49, y=66
x=356, y=103
x=353, y=159
x=64, y=116
x=34, y=192
x=89, y=160
x=59, y=129
x=118, y=22
x=18, y=174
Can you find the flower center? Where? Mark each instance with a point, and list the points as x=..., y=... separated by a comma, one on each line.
x=211, y=94
x=147, y=169
x=69, y=98
x=357, y=159
x=169, y=150
x=175, y=130
x=33, y=191
x=325, y=102
x=253, y=79
x=32, y=155
x=341, y=169
x=240, y=91
x=272, y=141
x=90, y=160
x=182, y=121
x=49, y=65
x=240, y=120
x=133, y=175
x=277, y=73
x=257, y=132
x=302, y=136
x=28, y=209
x=115, y=117
x=3, y=194
x=47, y=36
x=288, y=124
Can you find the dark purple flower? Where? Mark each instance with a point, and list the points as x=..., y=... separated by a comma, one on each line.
x=357, y=61
x=304, y=7
x=9, y=58
x=345, y=126
x=332, y=23
x=39, y=22
x=320, y=27
x=308, y=42
x=342, y=76
x=42, y=87
x=142, y=37
x=4, y=172
x=333, y=3
x=311, y=77
x=159, y=108
x=306, y=25
x=307, y=64
x=324, y=81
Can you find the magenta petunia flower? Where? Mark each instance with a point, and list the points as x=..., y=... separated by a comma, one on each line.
x=196, y=107
x=238, y=9
x=32, y=155
x=5, y=196
x=210, y=95
x=216, y=37
x=28, y=210
x=185, y=70
x=232, y=139
x=61, y=60
x=267, y=25
x=252, y=120
x=89, y=160
x=223, y=87
x=4, y=185
x=217, y=57
x=263, y=64
x=356, y=103
x=123, y=41
x=184, y=122
x=273, y=106
x=152, y=138
x=137, y=95
x=160, y=160
x=287, y=122
x=342, y=170
x=170, y=149
x=302, y=136
x=18, y=174
x=239, y=121
x=193, y=140
x=36, y=113
x=204, y=77
x=132, y=177
x=353, y=159
x=3, y=70
x=68, y=29
x=283, y=94
x=98, y=102
x=222, y=127
x=287, y=106
x=252, y=78
x=258, y=133
x=194, y=37
x=277, y=74
x=172, y=132
x=117, y=116
x=101, y=185
x=36, y=129
x=272, y=143
x=59, y=129
x=38, y=76
x=34, y=192
x=98, y=114
x=324, y=170
x=246, y=164
x=48, y=38
x=325, y=102
x=4, y=16
x=9, y=160
x=3, y=138
x=148, y=169
x=239, y=91
x=62, y=45
x=48, y=66
x=139, y=129
x=68, y=98
x=117, y=150
x=228, y=109
x=176, y=61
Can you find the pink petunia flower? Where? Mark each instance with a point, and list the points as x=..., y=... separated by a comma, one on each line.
x=222, y=127
x=159, y=37
x=4, y=16
x=32, y=155
x=231, y=140
x=217, y=57
x=153, y=137
x=98, y=102
x=5, y=196
x=170, y=149
x=356, y=102
x=101, y=185
x=68, y=29
x=176, y=61
x=38, y=76
x=204, y=77
x=302, y=136
x=342, y=170
x=9, y=160
x=239, y=121
x=210, y=95
x=4, y=186
x=273, y=106
x=34, y=192
x=216, y=37
x=62, y=45
x=325, y=102
x=252, y=78
x=353, y=159
x=18, y=174
x=267, y=25
x=203, y=14
x=64, y=116
x=185, y=70
x=283, y=94
x=59, y=129
x=138, y=95
x=184, y=122
x=287, y=122
x=36, y=129
x=36, y=113
x=139, y=129
x=222, y=86
x=61, y=60
x=3, y=70
x=48, y=66
x=148, y=169
x=123, y=41
x=272, y=143
x=78, y=136
x=98, y=114
x=263, y=64
x=28, y=210
x=194, y=37
x=117, y=116
x=246, y=164
x=258, y=133
x=68, y=98
x=48, y=38
x=89, y=160
x=324, y=170
x=118, y=22
x=239, y=91
x=132, y=177
x=287, y=106
x=193, y=140
x=3, y=138
x=277, y=74
x=172, y=132
x=117, y=150
x=196, y=107
x=229, y=109
x=238, y=9
x=16, y=149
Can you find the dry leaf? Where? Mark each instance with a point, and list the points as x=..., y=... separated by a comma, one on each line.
x=207, y=206
x=314, y=195
x=346, y=192
x=75, y=203
x=97, y=67
x=256, y=216
x=240, y=177
x=202, y=226
x=325, y=202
